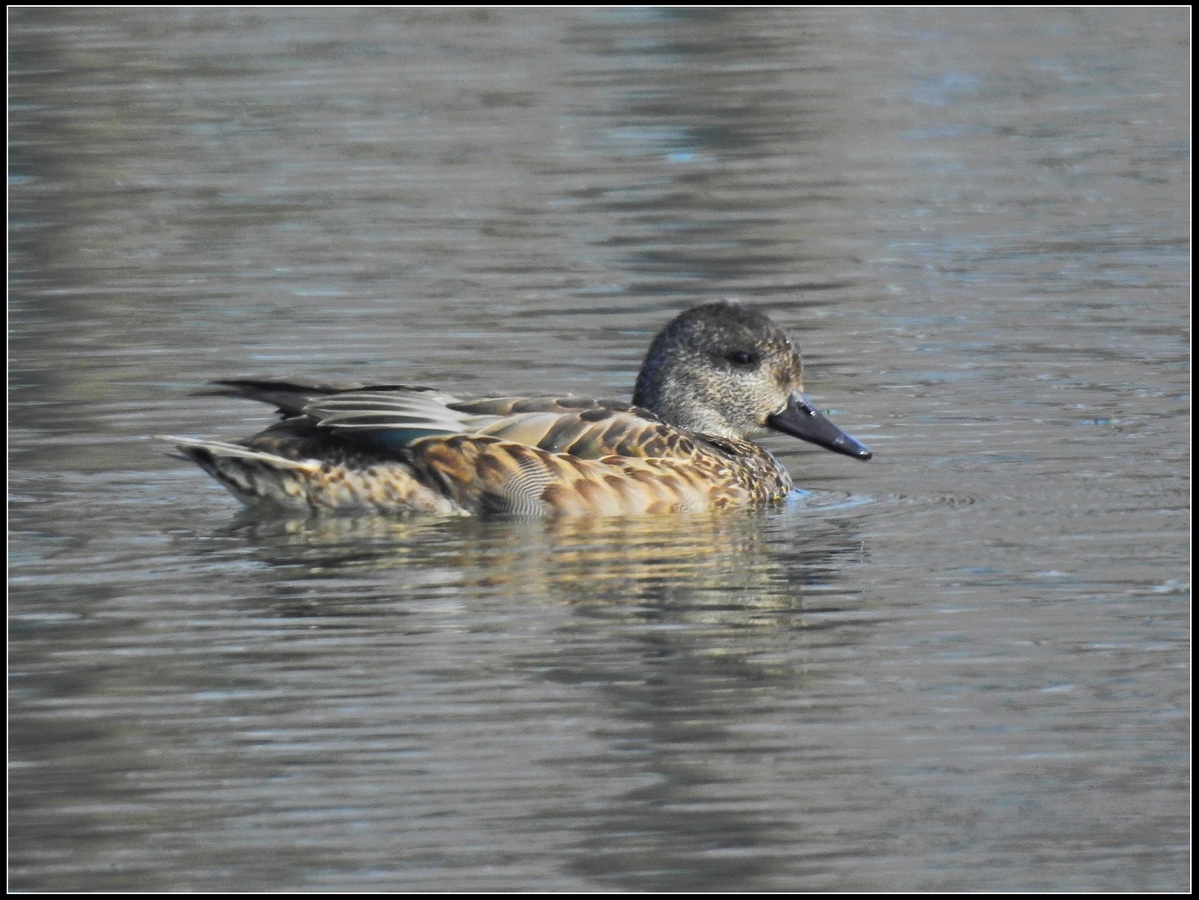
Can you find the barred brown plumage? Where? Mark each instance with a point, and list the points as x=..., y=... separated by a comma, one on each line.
x=713, y=375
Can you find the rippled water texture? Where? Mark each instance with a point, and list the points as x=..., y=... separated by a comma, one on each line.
x=961, y=666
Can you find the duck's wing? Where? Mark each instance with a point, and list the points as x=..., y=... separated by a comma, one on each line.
x=291, y=397
x=392, y=421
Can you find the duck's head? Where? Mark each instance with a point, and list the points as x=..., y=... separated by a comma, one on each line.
x=727, y=371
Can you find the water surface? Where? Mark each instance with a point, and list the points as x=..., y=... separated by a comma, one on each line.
x=961, y=666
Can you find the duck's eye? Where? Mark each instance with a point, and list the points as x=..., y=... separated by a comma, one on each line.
x=741, y=358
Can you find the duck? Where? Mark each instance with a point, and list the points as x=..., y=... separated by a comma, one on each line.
x=714, y=375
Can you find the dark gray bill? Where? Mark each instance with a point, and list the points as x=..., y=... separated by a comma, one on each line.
x=801, y=419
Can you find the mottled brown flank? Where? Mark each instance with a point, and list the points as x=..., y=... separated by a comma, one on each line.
x=585, y=489
x=621, y=487
x=490, y=469
x=646, y=478
x=662, y=508
x=476, y=473
x=555, y=495
x=521, y=455
x=442, y=460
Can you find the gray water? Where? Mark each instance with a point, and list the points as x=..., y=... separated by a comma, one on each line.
x=961, y=666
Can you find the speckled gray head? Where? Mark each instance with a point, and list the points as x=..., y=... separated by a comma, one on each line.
x=725, y=370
